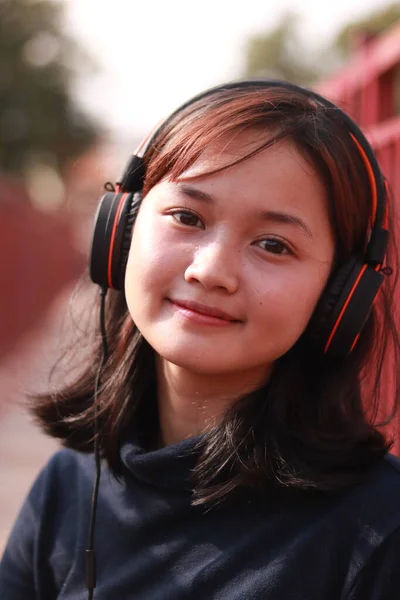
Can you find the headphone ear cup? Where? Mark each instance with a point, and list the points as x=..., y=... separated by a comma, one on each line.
x=111, y=238
x=320, y=325
x=344, y=308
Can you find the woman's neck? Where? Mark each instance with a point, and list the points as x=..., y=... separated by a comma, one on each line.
x=191, y=403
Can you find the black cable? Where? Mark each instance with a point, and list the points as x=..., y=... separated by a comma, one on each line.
x=90, y=555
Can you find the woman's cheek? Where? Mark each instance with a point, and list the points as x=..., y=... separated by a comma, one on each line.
x=290, y=295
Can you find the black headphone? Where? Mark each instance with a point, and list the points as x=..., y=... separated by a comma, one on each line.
x=347, y=300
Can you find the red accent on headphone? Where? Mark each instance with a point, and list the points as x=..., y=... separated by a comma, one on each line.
x=371, y=178
x=112, y=240
x=328, y=343
x=385, y=223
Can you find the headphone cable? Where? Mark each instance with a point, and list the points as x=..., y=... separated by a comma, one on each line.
x=90, y=556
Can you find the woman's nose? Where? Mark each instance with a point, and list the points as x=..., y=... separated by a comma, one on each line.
x=215, y=265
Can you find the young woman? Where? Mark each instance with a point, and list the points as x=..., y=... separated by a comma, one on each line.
x=239, y=403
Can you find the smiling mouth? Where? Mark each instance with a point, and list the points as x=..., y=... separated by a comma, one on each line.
x=205, y=311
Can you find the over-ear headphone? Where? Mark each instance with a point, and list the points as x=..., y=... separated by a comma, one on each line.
x=345, y=304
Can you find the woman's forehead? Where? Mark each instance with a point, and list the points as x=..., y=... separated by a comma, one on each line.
x=247, y=148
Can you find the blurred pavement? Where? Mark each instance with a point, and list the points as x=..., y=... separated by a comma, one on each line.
x=24, y=450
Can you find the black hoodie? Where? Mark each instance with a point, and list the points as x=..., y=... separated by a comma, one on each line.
x=152, y=544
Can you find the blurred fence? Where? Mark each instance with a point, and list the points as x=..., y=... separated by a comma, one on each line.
x=368, y=88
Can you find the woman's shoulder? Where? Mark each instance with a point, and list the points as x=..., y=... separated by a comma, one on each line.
x=70, y=461
x=385, y=477
x=66, y=472
x=391, y=464
x=372, y=527
x=59, y=497
x=66, y=463
x=375, y=504
x=382, y=482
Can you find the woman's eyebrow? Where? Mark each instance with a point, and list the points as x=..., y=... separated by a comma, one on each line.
x=282, y=217
x=195, y=193
x=265, y=215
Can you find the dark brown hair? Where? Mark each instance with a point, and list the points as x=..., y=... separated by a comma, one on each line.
x=315, y=425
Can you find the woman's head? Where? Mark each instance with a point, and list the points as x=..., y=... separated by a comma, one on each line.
x=252, y=241
x=252, y=199
x=271, y=149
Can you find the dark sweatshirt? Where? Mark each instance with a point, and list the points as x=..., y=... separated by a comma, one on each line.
x=153, y=545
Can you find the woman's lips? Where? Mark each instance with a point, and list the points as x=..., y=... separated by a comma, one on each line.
x=201, y=313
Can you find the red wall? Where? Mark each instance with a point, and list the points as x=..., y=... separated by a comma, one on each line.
x=37, y=259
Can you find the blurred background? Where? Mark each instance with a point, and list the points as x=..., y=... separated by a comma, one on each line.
x=81, y=82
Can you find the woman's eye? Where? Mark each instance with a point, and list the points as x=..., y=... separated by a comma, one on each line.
x=274, y=246
x=187, y=218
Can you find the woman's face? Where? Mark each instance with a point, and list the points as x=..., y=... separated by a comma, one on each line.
x=224, y=272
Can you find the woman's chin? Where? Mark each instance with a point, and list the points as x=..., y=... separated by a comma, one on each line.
x=209, y=363
x=201, y=365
